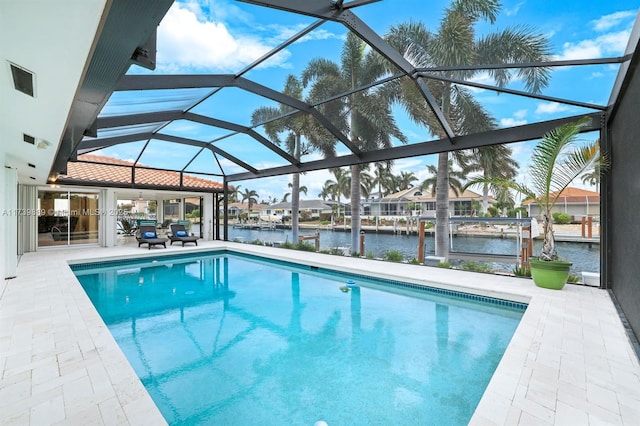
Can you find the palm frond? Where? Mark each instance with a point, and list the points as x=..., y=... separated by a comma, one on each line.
x=516, y=45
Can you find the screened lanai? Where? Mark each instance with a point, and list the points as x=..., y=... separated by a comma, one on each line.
x=205, y=109
x=109, y=79
x=207, y=124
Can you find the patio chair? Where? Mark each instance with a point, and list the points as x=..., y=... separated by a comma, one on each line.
x=147, y=235
x=179, y=233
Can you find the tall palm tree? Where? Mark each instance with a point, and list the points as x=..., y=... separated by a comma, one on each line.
x=302, y=188
x=366, y=114
x=455, y=44
x=250, y=196
x=327, y=191
x=456, y=180
x=493, y=161
x=340, y=186
x=405, y=180
x=234, y=194
x=382, y=178
x=592, y=177
x=302, y=135
x=366, y=181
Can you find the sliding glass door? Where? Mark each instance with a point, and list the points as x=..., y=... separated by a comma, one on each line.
x=67, y=218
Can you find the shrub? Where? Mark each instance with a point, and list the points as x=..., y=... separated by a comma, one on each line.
x=445, y=265
x=304, y=246
x=561, y=218
x=393, y=256
x=369, y=255
x=514, y=212
x=429, y=225
x=472, y=266
x=324, y=222
x=257, y=242
x=522, y=272
x=414, y=261
x=573, y=278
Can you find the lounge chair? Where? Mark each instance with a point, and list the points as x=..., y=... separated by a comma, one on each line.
x=179, y=233
x=147, y=235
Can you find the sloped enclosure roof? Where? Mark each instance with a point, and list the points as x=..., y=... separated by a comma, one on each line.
x=203, y=122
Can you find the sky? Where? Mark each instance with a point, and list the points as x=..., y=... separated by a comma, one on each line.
x=225, y=36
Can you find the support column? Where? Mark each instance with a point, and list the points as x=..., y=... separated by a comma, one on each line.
x=9, y=222
x=208, y=217
x=421, y=241
x=225, y=203
x=109, y=221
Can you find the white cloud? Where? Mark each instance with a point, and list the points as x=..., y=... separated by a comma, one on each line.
x=550, y=108
x=184, y=41
x=511, y=122
x=518, y=119
x=514, y=10
x=612, y=20
x=204, y=36
x=520, y=114
x=606, y=44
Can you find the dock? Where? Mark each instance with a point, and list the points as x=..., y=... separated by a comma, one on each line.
x=262, y=226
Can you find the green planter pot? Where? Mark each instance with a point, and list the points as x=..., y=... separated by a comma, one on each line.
x=552, y=275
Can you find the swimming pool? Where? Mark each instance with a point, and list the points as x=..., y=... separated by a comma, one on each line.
x=223, y=338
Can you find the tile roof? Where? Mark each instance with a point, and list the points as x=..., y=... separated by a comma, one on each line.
x=100, y=169
x=573, y=195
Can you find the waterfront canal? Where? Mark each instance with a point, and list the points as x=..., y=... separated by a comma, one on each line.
x=585, y=257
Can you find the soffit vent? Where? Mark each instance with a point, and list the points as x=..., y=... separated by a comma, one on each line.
x=28, y=139
x=22, y=79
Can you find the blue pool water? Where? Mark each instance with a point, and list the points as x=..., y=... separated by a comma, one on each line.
x=226, y=339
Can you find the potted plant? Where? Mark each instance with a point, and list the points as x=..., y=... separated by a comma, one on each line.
x=555, y=162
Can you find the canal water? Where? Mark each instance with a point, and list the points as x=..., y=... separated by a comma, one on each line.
x=583, y=257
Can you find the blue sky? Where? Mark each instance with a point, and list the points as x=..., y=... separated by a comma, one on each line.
x=222, y=36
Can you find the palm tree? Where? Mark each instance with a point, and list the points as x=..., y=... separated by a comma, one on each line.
x=406, y=180
x=341, y=186
x=285, y=198
x=366, y=181
x=593, y=177
x=555, y=163
x=493, y=161
x=382, y=178
x=302, y=136
x=366, y=113
x=456, y=180
x=234, y=194
x=504, y=199
x=251, y=197
x=327, y=192
x=455, y=44
x=301, y=188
